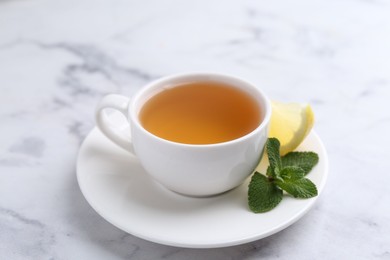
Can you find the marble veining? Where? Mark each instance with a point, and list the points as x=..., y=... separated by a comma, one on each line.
x=32, y=146
x=59, y=58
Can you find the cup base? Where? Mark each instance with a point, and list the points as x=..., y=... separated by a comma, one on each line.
x=200, y=196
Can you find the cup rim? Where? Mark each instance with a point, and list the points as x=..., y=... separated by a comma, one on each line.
x=134, y=120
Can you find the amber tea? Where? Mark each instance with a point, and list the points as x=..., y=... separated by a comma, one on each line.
x=201, y=113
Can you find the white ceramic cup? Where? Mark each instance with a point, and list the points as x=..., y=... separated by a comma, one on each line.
x=194, y=170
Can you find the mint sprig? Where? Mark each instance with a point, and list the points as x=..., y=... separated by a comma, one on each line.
x=284, y=173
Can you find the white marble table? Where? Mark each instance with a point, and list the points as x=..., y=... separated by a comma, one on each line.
x=58, y=58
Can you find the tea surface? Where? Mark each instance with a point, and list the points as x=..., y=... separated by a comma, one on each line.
x=200, y=113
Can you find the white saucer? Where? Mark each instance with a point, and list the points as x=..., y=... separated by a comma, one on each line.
x=118, y=188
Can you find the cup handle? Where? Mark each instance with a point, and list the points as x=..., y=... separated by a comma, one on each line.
x=119, y=103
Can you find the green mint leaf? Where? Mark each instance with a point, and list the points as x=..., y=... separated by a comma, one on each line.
x=273, y=152
x=263, y=195
x=301, y=188
x=292, y=173
x=304, y=160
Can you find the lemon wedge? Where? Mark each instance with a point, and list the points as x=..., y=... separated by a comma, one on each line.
x=290, y=123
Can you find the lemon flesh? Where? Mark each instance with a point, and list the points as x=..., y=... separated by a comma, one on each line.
x=290, y=123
